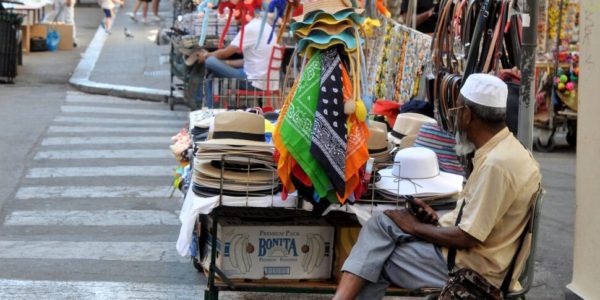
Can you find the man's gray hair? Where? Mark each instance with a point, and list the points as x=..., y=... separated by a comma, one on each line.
x=485, y=113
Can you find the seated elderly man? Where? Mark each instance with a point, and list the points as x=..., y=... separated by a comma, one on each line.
x=412, y=252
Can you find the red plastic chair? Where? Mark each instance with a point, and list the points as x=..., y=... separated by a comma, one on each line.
x=275, y=64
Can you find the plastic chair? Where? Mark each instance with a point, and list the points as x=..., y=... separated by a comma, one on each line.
x=526, y=277
x=275, y=63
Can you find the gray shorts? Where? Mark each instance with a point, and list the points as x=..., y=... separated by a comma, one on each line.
x=384, y=254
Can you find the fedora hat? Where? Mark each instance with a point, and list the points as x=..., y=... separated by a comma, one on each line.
x=244, y=174
x=238, y=128
x=406, y=128
x=432, y=136
x=416, y=173
x=327, y=6
x=379, y=147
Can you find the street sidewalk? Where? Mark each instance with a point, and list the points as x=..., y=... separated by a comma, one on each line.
x=130, y=67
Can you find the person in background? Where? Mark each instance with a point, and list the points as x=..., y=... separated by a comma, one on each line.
x=426, y=14
x=63, y=11
x=108, y=10
x=252, y=69
x=155, y=6
x=136, y=7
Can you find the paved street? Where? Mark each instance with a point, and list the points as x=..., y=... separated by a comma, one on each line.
x=91, y=215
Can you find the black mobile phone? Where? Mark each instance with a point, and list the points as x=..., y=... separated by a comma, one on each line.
x=412, y=205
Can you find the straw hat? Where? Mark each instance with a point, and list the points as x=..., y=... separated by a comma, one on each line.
x=406, y=128
x=322, y=40
x=328, y=6
x=379, y=147
x=238, y=128
x=349, y=14
x=416, y=172
x=329, y=28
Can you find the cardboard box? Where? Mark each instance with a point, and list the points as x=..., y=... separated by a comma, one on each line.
x=345, y=238
x=259, y=250
x=65, y=31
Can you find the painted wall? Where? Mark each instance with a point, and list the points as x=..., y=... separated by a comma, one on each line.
x=586, y=261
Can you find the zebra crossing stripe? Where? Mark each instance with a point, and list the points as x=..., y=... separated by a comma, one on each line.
x=95, y=290
x=48, y=192
x=118, y=171
x=118, y=121
x=106, y=251
x=121, y=111
x=89, y=129
x=56, y=141
x=98, y=154
x=91, y=218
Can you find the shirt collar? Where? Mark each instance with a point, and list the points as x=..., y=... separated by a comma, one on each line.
x=491, y=144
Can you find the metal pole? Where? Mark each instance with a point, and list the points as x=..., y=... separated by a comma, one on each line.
x=529, y=9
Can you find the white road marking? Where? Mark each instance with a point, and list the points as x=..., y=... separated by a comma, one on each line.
x=118, y=171
x=118, y=121
x=96, y=290
x=121, y=111
x=47, y=192
x=53, y=141
x=114, y=251
x=110, y=100
x=91, y=218
x=89, y=154
x=89, y=129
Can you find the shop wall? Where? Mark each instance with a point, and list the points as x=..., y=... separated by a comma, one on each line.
x=586, y=261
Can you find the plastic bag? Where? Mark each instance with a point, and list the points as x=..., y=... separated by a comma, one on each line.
x=52, y=40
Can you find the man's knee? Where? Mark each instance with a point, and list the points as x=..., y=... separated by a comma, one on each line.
x=211, y=62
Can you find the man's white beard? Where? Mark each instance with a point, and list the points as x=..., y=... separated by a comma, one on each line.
x=463, y=145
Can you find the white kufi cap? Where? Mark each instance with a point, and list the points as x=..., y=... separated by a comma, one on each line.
x=486, y=90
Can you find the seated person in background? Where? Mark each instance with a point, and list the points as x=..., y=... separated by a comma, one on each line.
x=412, y=252
x=426, y=15
x=252, y=69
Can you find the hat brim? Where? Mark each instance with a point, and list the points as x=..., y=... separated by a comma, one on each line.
x=234, y=142
x=205, y=168
x=336, y=13
x=443, y=184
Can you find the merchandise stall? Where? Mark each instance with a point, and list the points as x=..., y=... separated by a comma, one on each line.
x=557, y=72
x=275, y=195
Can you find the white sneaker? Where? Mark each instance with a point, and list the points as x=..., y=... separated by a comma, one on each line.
x=145, y=20
x=156, y=18
x=132, y=16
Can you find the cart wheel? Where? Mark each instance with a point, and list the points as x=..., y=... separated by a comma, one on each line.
x=171, y=103
x=572, y=138
x=197, y=264
x=539, y=146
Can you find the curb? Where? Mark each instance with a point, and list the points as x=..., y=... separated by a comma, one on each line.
x=81, y=77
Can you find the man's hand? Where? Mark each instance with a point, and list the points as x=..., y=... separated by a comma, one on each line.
x=202, y=55
x=425, y=213
x=404, y=219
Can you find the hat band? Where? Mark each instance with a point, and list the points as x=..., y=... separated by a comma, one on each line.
x=371, y=151
x=397, y=134
x=257, y=137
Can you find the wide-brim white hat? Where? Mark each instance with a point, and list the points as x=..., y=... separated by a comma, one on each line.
x=416, y=172
x=443, y=184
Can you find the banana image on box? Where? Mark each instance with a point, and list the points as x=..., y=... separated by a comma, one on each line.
x=314, y=250
x=240, y=250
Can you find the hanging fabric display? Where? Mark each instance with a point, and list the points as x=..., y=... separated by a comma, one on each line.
x=396, y=61
x=321, y=135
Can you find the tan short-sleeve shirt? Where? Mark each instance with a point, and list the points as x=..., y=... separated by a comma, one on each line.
x=498, y=198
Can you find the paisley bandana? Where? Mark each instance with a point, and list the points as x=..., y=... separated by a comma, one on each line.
x=298, y=122
x=330, y=131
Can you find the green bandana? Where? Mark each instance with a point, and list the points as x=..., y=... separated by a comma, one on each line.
x=297, y=125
